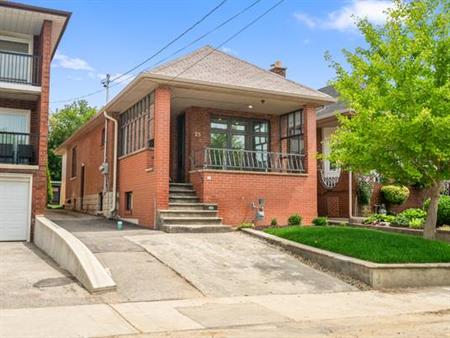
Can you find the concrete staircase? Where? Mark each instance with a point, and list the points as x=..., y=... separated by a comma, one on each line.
x=187, y=214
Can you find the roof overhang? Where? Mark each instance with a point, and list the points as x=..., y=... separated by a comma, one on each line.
x=26, y=19
x=187, y=93
x=147, y=82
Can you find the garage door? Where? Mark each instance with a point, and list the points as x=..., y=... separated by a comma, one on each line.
x=14, y=207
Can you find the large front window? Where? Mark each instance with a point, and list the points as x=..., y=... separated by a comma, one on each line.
x=292, y=132
x=239, y=134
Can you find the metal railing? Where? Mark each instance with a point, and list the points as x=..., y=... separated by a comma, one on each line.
x=248, y=160
x=19, y=68
x=18, y=148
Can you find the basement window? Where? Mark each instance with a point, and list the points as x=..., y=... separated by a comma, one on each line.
x=129, y=201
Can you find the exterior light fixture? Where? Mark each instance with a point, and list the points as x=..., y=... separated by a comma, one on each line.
x=250, y=106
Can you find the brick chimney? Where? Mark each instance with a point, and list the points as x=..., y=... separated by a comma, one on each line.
x=278, y=68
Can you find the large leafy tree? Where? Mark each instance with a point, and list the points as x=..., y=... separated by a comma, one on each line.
x=63, y=123
x=398, y=86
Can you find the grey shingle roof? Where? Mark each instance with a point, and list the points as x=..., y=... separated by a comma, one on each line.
x=216, y=67
x=332, y=108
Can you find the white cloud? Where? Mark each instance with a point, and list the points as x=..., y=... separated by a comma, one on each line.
x=306, y=19
x=344, y=18
x=75, y=78
x=67, y=62
x=229, y=50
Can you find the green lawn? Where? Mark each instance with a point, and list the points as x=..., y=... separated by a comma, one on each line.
x=369, y=245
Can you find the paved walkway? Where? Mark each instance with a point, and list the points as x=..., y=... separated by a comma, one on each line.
x=356, y=314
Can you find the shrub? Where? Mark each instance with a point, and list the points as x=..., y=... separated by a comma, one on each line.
x=443, y=216
x=295, y=219
x=417, y=223
x=320, y=221
x=274, y=222
x=405, y=218
x=245, y=225
x=395, y=194
x=377, y=218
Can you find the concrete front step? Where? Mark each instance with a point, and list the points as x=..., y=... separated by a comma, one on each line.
x=192, y=206
x=183, y=199
x=180, y=184
x=192, y=220
x=188, y=213
x=178, y=192
x=199, y=228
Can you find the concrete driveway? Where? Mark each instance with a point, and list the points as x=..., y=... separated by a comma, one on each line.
x=235, y=264
x=28, y=278
x=138, y=274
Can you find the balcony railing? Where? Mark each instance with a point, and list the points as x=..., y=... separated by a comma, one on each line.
x=19, y=68
x=248, y=160
x=18, y=148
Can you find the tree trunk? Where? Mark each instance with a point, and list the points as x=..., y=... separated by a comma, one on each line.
x=429, y=229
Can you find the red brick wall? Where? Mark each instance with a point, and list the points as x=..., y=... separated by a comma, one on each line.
x=39, y=122
x=136, y=176
x=162, y=146
x=234, y=192
x=89, y=153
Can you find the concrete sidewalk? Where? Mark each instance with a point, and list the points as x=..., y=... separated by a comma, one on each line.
x=317, y=314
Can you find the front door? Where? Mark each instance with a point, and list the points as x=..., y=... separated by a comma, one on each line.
x=181, y=148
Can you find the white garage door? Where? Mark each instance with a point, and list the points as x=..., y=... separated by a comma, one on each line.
x=14, y=207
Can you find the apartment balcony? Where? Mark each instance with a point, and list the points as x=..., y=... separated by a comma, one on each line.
x=20, y=75
x=248, y=160
x=18, y=148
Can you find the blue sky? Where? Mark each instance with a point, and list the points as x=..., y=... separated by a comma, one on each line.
x=112, y=36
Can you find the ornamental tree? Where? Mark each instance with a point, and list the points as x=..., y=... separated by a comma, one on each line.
x=398, y=86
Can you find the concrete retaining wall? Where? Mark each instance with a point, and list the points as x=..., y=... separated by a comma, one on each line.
x=377, y=275
x=72, y=255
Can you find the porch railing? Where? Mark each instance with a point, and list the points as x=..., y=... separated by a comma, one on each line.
x=248, y=160
x=18, y=148
x=19, y=68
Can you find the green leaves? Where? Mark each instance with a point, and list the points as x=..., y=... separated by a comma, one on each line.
x=63, y=123
x=398, y=85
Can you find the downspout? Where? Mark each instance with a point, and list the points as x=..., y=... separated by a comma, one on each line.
x=114, y=189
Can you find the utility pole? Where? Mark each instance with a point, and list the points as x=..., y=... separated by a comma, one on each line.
x=105, y=83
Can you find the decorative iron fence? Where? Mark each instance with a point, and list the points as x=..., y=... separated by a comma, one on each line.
x=248, y=160
x=446, y=190
x=18, y=148
x=19, y=68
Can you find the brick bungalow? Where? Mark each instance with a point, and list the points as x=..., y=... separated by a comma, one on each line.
x=204, y=139
x=336, y=189
x=29, y=37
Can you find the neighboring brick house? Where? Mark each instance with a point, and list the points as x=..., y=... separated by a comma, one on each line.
x=204, y=139
x=29, y=37
x=333, y=185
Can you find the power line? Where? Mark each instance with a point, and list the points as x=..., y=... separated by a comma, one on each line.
x=251, y=23
x=209, y=32
x=172, y=42
x=151, y=57
x=197, y=39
